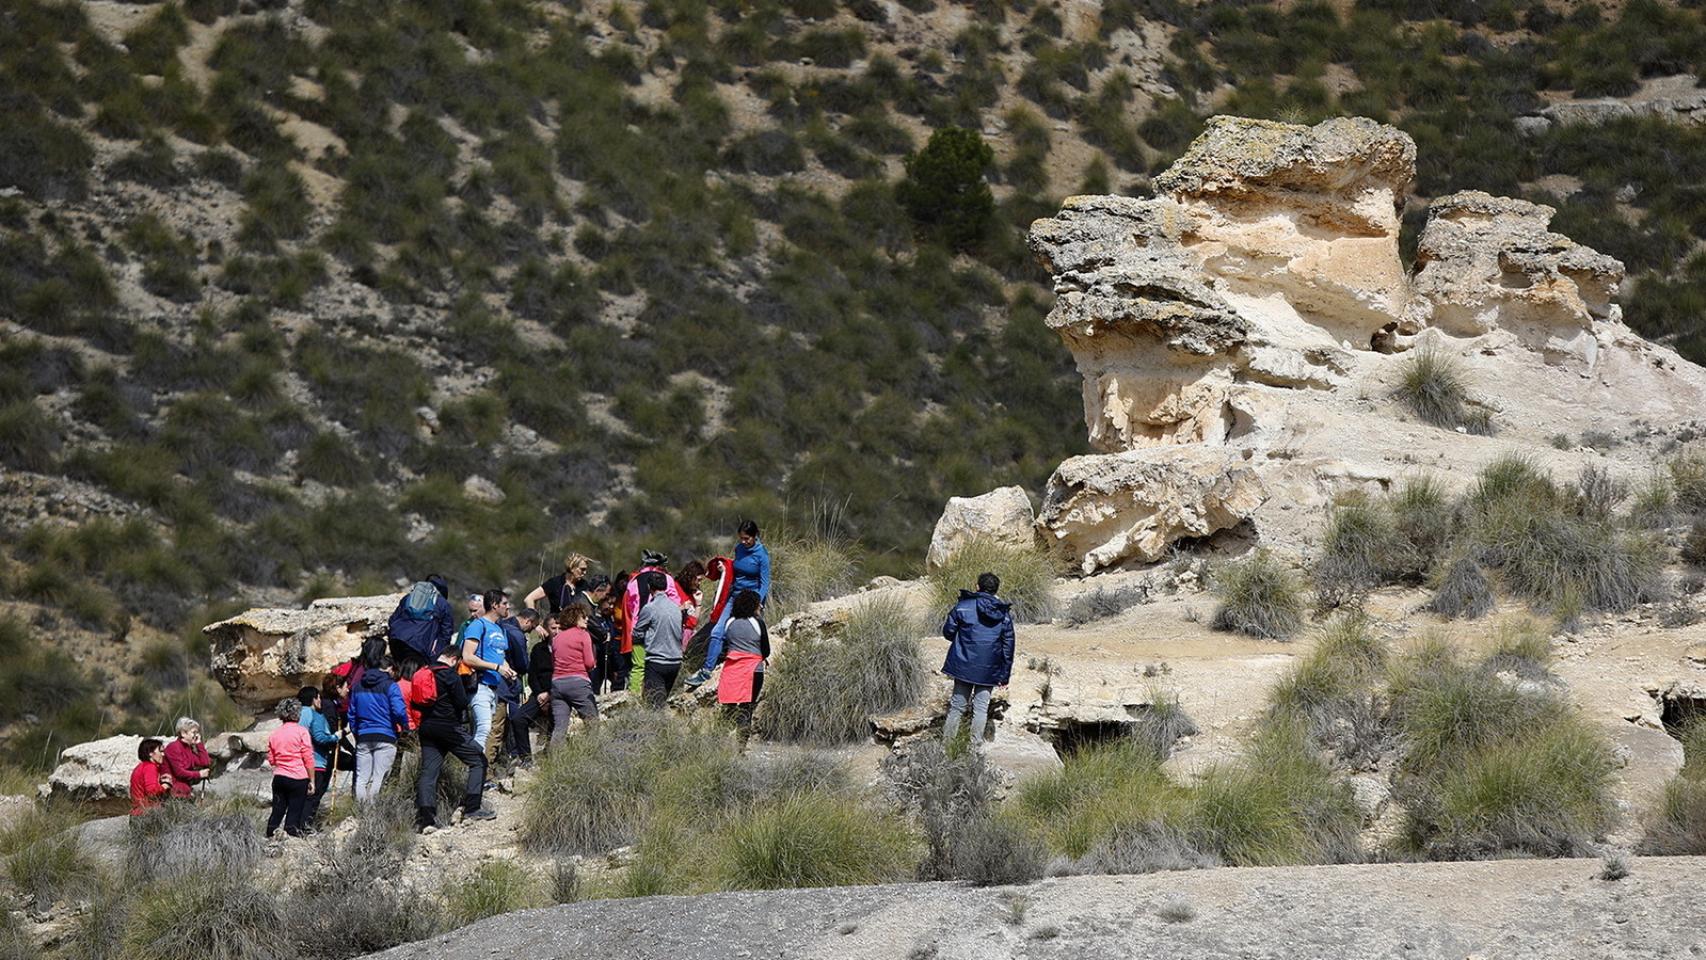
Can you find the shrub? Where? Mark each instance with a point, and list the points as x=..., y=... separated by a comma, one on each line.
x=1426, y=518
x=1102, y=603
x=947, y=790
x=1162, y=724
x=944, y=189
x=176, y=841
x=1520, y=645
x=812, y=568
x=996, y=851
x=496, y=886
x=1331, y=690
x=1102, y=790
x=1678, y=826
x=1027, y=578
x=1688, y=481
x=45, y=856
x=811, y=840
x=221, y=918
x=1258, y=596
x=1432, y=385
x=1362, y=550
x=1279, y=805
x=28, y=437
x=824, y=691
x=1463, y=591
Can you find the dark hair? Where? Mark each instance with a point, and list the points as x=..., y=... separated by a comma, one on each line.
x=307, y=695
x=411, y=664
x=750, y=528
x=988, y=583
x=148, y=746
x=332, y=681
x=746, y=604
x=528, y=614
x=371, y=650
x=656, y=581
x=694, y=570
x=491, y=599
x=595, y=581
x=574, y=613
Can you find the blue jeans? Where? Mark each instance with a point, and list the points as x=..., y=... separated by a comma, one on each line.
x=715, y=648
x=485, y=703
x=979, y=698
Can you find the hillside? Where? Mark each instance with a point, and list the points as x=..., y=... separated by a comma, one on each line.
x=303, y=297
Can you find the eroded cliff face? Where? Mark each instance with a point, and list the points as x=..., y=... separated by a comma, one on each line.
x=1237, y=336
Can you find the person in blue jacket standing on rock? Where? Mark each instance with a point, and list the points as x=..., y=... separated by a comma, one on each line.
x=979, y=631
x=752, y=572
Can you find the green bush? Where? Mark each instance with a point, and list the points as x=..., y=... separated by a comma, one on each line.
x=809, y=569
x=811, y=840
x=1462, y=590
x=1362, y=550
x=823, y=691
x=28, y=437
x=1433, y=386
x=1280, y=804
x=221, y=918
x=1332, y=691
x=1102, y=603
x=496, y=886
x=944, y=189
x=1027, y=578
x=1258, y=596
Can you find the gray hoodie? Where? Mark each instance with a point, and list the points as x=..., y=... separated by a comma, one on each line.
x=658, y=629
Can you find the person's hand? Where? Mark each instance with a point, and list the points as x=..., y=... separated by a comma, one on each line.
x=543, y=698
x=310, y=787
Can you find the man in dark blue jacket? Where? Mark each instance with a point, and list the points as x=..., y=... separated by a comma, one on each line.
x=979, y=631
x=423, y=623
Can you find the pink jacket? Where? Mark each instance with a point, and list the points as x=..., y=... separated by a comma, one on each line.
x=290, y=751
x=631, y=602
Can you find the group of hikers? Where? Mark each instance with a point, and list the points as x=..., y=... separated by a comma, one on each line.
x=479, y=691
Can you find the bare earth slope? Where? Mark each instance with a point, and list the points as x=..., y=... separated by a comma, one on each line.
x=1520, y=908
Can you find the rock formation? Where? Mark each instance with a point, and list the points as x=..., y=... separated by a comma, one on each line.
x=264, y=655
x=1235, y=334
x=1003, y=515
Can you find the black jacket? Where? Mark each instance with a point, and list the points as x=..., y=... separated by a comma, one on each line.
x=539, y=667
x=447, y=710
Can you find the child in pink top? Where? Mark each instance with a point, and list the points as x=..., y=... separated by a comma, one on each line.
x=290, y=751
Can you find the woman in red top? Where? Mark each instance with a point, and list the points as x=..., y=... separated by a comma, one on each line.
x=186, y=758
x=572, y=660
x=149, y=781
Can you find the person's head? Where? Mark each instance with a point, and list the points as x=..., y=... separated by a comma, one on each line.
x=607, y=604
x=746, y=604
x=621, y=582
x=575, y=565
x=476, y=604
x=151, y=750
x=652, y=558
x=334, y=685
x=410, y=664
x=309, y=697
x=189, y=731
x=747, y=533
x=574, y=615
x=372, y=650
x=690, y=575
x=528, y=618
x=495, y=604
x=450, y=655
x=655, y=582
x=289, y=710
x=385, y=665
x=440, y=584
x=597, y=587
x=988, y=583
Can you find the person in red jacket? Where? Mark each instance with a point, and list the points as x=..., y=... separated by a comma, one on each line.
x=290, y=752
x=149, y=781
x=186, y=759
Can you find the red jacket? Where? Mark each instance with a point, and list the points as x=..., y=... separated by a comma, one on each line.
x=183, y=762
x=145, y=788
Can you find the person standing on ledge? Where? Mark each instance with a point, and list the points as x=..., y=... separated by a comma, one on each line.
x=752, y=572
x=979, y=631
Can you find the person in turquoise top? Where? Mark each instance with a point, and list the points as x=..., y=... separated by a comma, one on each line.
x=483, y=645
x=752, y=572
x=325, y=741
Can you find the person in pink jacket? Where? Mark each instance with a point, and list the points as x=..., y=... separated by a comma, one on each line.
x=290, y=752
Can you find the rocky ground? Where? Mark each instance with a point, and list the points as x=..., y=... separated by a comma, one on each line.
x=1519, y=908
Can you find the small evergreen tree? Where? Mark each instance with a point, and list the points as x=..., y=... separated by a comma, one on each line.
x=944, y=189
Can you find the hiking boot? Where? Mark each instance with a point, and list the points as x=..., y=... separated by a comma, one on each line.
x=484, y=813
x=698, y=679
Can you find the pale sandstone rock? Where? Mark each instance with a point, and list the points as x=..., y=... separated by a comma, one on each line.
x=1104, y=510
x=97, y=772
x=1003, y=516
x=266, y=654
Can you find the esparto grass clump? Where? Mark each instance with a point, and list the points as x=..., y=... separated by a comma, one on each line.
x=1027, y=578
x=1259, y=596
x=823, y=690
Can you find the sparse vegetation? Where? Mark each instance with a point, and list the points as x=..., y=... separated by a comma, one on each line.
x=1258, y=596
x=822, y=690
x=1102, y=603
x=1432, y=384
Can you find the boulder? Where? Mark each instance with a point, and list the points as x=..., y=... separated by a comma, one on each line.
x=1102, y=510
x=1002, y=516
x=1018, y=754
x=263, y=655
x=96, y=772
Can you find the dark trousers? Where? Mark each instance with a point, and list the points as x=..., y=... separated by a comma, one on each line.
x=659, y=682
x=604, y=657
x=743, y=711
x=621, y=668
x=436, y=743
x=289, y=796
x=521, y=717
x=322, y=781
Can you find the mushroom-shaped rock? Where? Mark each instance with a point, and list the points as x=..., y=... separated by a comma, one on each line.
x=263, y=655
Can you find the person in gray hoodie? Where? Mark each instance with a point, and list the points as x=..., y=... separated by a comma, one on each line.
x=658, y=629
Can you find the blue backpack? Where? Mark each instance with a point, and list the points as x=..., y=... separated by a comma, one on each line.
x=421, y=601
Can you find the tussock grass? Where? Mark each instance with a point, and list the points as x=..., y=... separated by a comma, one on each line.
x=822, y=691
x=1677, y=827
x=1280, y=804
x=1332, y=691
x=1259, y=596
x=1027, y=578
x=1432, y=384
x=1163, y=723
x=1463, y=591
x=175, y=841
x=812, y=568
x=1102, y=603
x=952, y=792
x=45, y=856
x=494, y=887
x=205, y=916
x=811, y=839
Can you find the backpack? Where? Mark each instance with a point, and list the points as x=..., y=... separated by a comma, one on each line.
x=421, y=601
x=423, y=689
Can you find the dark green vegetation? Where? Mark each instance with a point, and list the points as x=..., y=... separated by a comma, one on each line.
x=579, y=255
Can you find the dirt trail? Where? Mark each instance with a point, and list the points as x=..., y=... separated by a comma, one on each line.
x=1520, y=908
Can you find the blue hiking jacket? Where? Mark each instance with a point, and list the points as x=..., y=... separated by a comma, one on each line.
x=979, y=631
x=320, y=732
x=430, y=635
x=752, y=570
x=376, y=709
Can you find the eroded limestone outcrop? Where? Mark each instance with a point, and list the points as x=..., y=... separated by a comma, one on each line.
x=263, y=655
x=1240, y=333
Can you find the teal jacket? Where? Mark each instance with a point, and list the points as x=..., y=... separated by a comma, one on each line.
x=320, y=732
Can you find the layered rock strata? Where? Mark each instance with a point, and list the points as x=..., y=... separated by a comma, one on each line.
x=263, y=655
